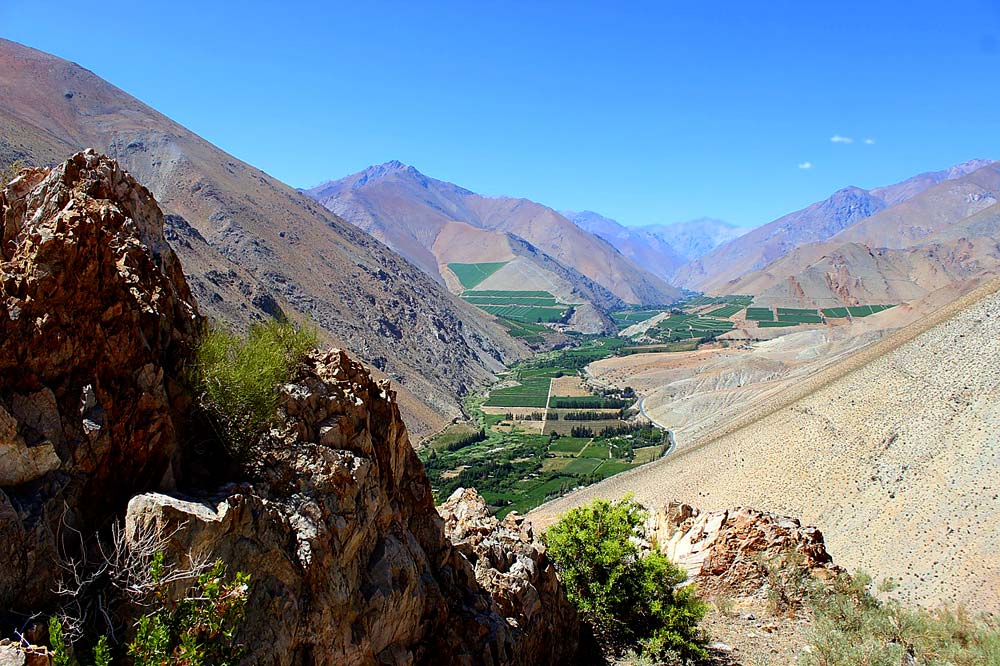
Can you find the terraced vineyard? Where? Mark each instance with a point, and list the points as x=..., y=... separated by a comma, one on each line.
x=678, y=327
x=799, y=316
x=531, y=307
x=472, y=274
x=865, y=310
x=760, y=314
x=531, y=333
x=725, y=311
x=625, y=318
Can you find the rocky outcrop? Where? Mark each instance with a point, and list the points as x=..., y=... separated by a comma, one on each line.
x=723, y=551
x=512, y=566
x=349, y=558
x=95, y=321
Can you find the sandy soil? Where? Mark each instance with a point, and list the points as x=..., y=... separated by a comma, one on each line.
x=893, y=453
x=568, y=386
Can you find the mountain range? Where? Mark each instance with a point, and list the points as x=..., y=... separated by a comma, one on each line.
x=368, y=257
x=434, y=223
x=942, y=234
x=719, y=270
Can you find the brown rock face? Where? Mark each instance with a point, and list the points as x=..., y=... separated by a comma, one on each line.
x=349, y=558
x=722, y=550
x=95, y=321
x=511, y=564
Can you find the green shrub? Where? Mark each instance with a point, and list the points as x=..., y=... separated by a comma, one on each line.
x=237, y=379
x=629, y=598
x=200, y=629
x=61, y=655
x=102, y=652
x=852, y=626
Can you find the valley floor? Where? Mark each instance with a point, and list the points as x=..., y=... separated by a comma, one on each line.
x=892, y=453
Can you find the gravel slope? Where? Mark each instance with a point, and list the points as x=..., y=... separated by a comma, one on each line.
x=893, y=453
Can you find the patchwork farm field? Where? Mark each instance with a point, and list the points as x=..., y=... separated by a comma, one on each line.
x=865, y=310
x=530, y=392
x=799, y=316
x=533, y=449
x=510, y=293
x=544, y=301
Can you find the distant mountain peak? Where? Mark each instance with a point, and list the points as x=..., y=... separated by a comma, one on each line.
x=384, y=170
x=967, y=167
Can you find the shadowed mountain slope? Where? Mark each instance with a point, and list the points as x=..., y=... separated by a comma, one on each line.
x=252, y=245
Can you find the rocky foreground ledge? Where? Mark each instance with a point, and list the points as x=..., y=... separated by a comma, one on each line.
x=350, y=561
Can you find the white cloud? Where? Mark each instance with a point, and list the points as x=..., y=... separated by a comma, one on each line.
x=806, y=165
x=836, y=138
x=869, y=142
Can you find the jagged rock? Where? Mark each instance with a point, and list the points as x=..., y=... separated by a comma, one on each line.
x=95, y=321
x=16, y=654
x=722, y=551
x=349, y=558
x=511, y=564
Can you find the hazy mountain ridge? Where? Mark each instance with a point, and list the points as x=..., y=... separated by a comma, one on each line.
x=695, y=238
x=946, y=233
x=430, y=221
x=818, y=222
x=659, y=248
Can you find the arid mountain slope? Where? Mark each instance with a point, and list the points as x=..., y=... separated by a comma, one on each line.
x=816, y=223
x=423, y=219
x=946, y=233
x=253, y=242
x=892, y=453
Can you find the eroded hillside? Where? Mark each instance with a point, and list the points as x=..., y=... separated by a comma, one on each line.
x=892, y=453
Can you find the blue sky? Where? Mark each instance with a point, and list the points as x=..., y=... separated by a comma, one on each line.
x=660, y=112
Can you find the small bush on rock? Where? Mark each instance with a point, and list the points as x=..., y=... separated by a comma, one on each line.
x=629, y=597
x=237, y=379
x=200, y=629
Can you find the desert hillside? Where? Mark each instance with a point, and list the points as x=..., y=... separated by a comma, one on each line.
x=892, y=453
